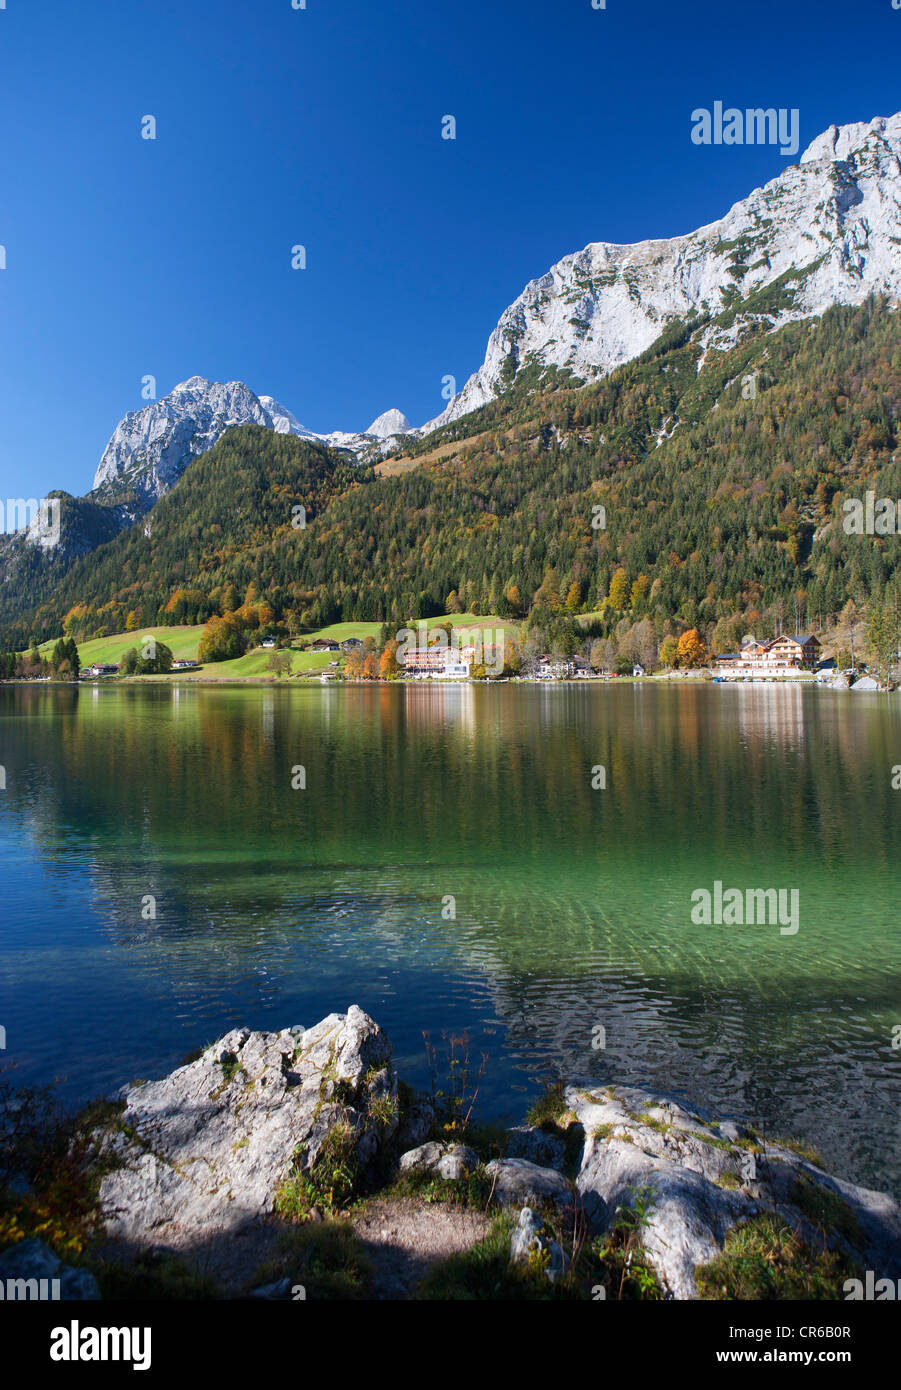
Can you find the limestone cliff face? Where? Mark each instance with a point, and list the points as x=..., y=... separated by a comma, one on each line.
x=826, y=231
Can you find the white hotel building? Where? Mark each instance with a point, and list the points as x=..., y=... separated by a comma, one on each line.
x=439, y=663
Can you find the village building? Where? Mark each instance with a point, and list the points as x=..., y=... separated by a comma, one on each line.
x=551, y=670
x=801, y=652
x=774, y=656
x=442, y=663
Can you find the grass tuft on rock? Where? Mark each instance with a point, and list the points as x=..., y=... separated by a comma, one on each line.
x=826, y=1209
x=552, y=1114
x=330, y=1184
x=550, y=1110
x=765, y=1259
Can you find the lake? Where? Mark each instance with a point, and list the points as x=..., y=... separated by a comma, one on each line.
x=452, y=865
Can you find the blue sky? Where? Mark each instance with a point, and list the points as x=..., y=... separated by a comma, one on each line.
x=322, y=127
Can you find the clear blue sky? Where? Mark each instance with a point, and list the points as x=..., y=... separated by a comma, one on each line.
x=323, y=127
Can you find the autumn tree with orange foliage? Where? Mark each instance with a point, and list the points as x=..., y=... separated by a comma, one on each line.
x=388, y=664
x=222, y=639
x=691, y=650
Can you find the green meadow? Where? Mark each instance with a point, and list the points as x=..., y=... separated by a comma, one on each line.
x=184, y=641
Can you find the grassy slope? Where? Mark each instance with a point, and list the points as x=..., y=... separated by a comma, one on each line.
x=339, y=632
x=255, y=664
x=183, y=642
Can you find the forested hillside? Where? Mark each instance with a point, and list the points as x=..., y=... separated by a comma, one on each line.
x=684, y=490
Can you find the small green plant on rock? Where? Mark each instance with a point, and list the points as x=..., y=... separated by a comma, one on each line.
x=803, y=1149
x=764, y=1258
x=550, y=1110
x=621, y=1261
x=330, y=1183
x=551, y=1114
x=383, y=1110
x=826, y=1209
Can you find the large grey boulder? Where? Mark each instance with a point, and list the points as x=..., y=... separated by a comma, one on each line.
x=450, y=1161
x=696, y=1179
x=537, y=1145
x=517, y=1182
x=422, y=1159
x=205, y=1149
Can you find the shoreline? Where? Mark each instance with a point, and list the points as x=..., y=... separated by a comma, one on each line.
x=263, y=1142
x=294, y=682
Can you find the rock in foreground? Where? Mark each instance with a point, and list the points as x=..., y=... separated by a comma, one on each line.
x=206, y=1149
x=204, y=1152
x=696, y=1180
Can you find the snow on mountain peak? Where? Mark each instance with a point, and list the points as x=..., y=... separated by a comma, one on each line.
x=151, y=448
x=283, y=420
x=841, y=140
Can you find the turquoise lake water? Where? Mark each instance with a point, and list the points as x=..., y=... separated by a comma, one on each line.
x=276, y=905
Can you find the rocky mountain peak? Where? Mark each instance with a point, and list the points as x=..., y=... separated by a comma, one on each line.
x=823, y=232
x=391, y=422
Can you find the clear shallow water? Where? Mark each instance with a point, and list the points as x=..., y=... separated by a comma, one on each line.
x=573, y=906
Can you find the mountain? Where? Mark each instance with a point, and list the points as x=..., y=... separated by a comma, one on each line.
x=723, y=506
x=233, y=501
x=826, y=231
x=618, y=362
x=146, y=455
x=390, y=425
x=151, y=448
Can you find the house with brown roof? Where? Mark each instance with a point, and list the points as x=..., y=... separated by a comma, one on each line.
x=801, y=651
x=773, y=656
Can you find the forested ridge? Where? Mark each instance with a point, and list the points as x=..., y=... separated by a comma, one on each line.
x=720, y=477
